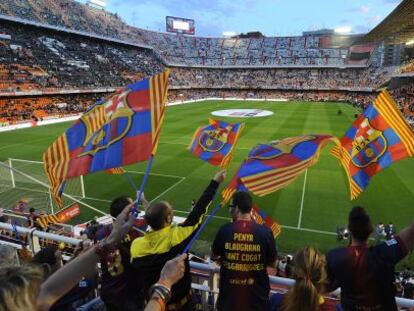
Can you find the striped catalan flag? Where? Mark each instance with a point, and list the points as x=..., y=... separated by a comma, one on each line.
x=45, y=221
x=115, y=171
x=122, y=129
x=271, y=167
x=233, y=186
x=379, y=137
x=263, y=219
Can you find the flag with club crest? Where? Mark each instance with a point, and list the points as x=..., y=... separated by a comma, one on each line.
x=120, y=130
x=263, y=219
x=215, y=142
x=379, y=137
x=273, y=166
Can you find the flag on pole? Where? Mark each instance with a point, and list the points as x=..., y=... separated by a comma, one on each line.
x=273, y=166
x=215, y=142
x=263, y=219
x=120, y=130
x=233, y=186
x=378, y=137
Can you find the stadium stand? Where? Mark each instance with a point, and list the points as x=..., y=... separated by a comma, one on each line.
x=37, y=63
x=322, y=78
x=55, y=60
x=38, y=108
x=307, y=50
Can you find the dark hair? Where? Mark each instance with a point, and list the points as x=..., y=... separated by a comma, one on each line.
x=46, y=256
x=359, y=224
x=243, y=201
x=156, y=215
x=31, y=210
x=118, y=205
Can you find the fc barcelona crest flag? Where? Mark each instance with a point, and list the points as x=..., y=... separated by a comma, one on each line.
x=119, y=130
x=379, y=137
x=273, y=166
x=215, y=142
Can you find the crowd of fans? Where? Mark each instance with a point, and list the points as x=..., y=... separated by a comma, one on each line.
x=35, y=59
x=14, y=110
x=290, y=79
x=408, y=67
x=308, y=50
x=25, y=109
x=126, y=270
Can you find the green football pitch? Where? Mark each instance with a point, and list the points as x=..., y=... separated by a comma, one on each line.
x=310, y=209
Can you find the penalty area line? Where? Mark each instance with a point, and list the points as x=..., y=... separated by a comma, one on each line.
x=302, y=200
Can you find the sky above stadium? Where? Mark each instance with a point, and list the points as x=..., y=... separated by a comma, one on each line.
x=271, y=17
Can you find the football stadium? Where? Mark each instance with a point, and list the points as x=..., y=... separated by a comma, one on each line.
x=310, y=127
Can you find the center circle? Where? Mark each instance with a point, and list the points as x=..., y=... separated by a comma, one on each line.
x=242, y=113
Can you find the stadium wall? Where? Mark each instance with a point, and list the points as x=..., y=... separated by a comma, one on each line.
x=7, y=128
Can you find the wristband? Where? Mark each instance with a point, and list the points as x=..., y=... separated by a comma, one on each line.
x=160, y=301
x=161, y=290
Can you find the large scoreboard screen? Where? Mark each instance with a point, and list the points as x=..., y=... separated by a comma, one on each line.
x=180, y=25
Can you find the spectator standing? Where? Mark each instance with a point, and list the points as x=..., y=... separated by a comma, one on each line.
x=244, y=249
x=117, y=290
x=21, y=287
x=166, y=241
x=50, y=259
x=310, y=275
x=366, y=274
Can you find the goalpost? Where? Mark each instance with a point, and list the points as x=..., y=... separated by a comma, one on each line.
x=25, y=181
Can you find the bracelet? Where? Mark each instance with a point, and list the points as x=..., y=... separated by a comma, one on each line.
x=160, y=301
x=163, y=291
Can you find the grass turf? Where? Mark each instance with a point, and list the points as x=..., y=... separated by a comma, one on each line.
x=177, y=176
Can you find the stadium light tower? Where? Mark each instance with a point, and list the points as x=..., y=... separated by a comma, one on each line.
x=411, y=42
x=343, y=30
x=229, y=34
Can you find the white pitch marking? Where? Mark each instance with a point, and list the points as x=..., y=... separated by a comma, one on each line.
x=303, y=198
x=164, y=192
x=283, y=226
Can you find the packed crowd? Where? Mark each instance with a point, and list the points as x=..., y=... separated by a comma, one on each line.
x=81, y=18
x=35, y=59
x=290, y=79
x=307, y=50
x=404, y=96
x=255, y=52
x=19, y=109
x=14, y=110
x=408, y=67
x=150, y=271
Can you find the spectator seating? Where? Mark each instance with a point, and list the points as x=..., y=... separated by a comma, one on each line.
x=297, y=51
x=14, y=110
x=39, y=59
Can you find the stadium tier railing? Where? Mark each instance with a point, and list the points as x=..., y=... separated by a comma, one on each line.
x=55, y=91
x=206, y=273
x=71, y=31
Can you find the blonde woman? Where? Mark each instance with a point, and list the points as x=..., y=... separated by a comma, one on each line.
x=306, y=295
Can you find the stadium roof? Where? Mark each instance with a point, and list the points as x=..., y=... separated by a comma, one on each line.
x=397, y=27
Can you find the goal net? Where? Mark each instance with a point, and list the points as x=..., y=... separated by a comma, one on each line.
x=25, y=181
